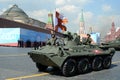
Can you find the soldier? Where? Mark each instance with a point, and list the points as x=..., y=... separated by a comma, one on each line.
x=52, y=41
x=68, y=36
x=76, y=38
x=89, y=39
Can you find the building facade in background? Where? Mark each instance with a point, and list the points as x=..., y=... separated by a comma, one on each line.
x=113, y=33
x=16, y=14
x=95, y=37
x=16, y=25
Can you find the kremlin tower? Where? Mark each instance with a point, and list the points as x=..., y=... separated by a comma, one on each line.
x=82, y=32
x=50, y=24
x=82, y=24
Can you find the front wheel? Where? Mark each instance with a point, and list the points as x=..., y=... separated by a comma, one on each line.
x=41, y=67
x=69, y=68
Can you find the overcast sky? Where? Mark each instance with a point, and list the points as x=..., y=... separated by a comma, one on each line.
x=98, y=14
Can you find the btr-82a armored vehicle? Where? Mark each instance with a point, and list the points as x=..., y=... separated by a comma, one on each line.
x=112, y=44
x=71, y=57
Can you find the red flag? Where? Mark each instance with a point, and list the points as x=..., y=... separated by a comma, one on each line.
x=62, y=18
x=60, y=21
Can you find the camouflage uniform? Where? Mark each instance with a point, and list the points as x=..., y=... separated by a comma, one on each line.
x=76, y=38
x=52, y=41
x=89, y=40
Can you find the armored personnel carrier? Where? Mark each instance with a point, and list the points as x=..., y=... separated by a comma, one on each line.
x=71, y=57
x=112, y=44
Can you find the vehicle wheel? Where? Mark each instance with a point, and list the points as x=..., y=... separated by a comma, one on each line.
x=41, y=67
x=69, y=68
x=55, y=68
x=97, y=63
x=107, y=62
x=83, y=66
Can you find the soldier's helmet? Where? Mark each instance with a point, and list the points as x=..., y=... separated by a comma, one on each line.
x=88, y=35
x=67, y=33
x=75, y=33
x=53, y=35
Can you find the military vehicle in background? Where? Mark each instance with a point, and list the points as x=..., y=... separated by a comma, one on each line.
x=112, y=44
x=71, y=57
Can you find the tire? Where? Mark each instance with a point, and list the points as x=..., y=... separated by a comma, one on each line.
x=55, y=68
x=83, y=66
x=97, y=63
x=41, y=67
x=69, y=68
x=107, y=62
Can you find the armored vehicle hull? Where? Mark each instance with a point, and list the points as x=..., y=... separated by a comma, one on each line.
x=70, y=56
x=72, y=60
x=112, y=44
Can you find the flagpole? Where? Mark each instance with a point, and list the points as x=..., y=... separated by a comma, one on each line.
x=53, y=20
